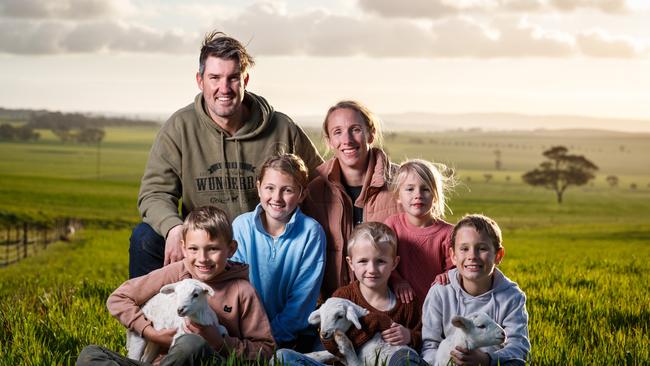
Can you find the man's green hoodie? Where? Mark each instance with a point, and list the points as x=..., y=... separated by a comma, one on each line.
x=194, y=159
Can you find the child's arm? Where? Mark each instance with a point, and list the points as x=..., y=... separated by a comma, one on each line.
x=124, y=303
x=210, y=333
x=447, y=264
x=302, y=296
x=397, y=335
x=255, y=340
x=432, y=325
x=402, y=288
x=515, y=324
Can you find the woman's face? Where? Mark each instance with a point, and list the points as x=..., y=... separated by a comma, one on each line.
x=349, y=137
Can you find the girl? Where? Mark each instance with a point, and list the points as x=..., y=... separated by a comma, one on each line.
x=422, y=234
x=284, y=248
x=351, y=187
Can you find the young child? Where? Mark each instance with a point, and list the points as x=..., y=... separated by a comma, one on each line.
x=476, y=285
x=422, y=234
x=207, y=244
x=284, y=248
x=372, y=256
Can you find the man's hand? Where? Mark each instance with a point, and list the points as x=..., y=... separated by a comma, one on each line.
x=397, y=335
x=462, y=356
x=173, y=252
x=404, y=291
x=209, y=332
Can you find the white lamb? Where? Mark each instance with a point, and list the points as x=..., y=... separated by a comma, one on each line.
x=471, y=332
x=168, y=309
x=335, y=317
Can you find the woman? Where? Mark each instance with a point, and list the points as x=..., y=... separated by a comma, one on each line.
x=351, y=187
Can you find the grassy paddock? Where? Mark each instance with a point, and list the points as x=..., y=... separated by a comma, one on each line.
x=581, y=264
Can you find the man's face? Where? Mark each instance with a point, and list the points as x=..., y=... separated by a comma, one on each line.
x=223, y=85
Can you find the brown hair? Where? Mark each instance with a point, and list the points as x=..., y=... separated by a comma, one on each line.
x=289, y=164
x=210, y=219
x=219, y=45
x=483, y=225
x=371, y=121
x=377, y=233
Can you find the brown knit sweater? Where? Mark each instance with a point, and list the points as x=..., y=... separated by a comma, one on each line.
x=407, y=315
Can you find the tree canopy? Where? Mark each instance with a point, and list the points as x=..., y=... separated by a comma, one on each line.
x=560, y=171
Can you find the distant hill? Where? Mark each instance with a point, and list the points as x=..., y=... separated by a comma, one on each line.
x=46, y=119
x=494, y=121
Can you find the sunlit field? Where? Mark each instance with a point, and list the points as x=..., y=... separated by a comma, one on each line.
x=582, y=264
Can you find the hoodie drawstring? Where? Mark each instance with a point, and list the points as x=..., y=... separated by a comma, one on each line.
x=239, y=159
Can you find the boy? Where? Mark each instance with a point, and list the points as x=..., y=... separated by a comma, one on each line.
x=207, y=244
x=372, y=256
x=477, y=285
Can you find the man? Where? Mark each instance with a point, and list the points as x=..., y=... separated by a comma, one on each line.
x=207, y=154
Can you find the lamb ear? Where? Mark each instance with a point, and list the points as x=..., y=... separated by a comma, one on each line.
x=314, y=317
x=207, y=289
x=168, y=289
x=461, y=322
x=351, y=313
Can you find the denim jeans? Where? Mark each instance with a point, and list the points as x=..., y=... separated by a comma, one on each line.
x=402, y=357
x=146, y=250
x=289, y=357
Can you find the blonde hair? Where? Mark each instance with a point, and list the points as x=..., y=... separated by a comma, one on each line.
x=369, y=118
x=210, y=219
x=377, y=233
x=289, y=164
x=432, y=176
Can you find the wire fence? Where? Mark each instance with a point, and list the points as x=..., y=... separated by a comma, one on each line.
x=21, y=240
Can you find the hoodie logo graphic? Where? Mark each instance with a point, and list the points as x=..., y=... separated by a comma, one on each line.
x=227, y=309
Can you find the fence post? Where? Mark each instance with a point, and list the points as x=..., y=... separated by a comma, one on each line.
x=25, y=238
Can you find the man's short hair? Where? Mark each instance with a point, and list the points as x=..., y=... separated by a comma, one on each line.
x=219, y=45
x=210, y=219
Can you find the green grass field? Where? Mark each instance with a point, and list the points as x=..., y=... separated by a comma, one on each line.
x=582, y=264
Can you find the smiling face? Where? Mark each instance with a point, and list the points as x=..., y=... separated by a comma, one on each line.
x=222, y=84
x=349, y=138
x=475, y=256
x=371, y=264
x=416, y=199
x=279, y=195
x=206, y=257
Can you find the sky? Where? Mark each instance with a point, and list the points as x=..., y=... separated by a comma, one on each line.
x=139, y=57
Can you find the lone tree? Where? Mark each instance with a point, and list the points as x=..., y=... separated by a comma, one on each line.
x=560, y=171
x=612, y=180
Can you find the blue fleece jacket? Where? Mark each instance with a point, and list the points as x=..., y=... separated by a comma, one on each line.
x=286, y=271
x=504, y=302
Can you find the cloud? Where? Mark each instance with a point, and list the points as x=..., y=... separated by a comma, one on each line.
x=63, y=9
x=54, y=37
x=435, y=9
x=598, y=43
x=409, y=8
x=269, y=29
